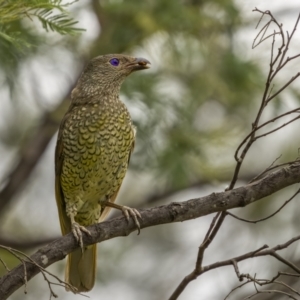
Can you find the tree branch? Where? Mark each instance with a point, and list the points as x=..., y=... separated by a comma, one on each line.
x=27, y=244
x=213, y=230
x=274, y=69
x=174, y=212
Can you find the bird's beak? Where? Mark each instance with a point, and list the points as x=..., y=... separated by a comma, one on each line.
x=139, y=64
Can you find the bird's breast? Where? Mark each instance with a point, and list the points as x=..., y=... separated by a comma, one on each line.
x=96, y=146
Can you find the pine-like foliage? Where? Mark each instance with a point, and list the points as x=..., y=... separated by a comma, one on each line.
x=52, y=14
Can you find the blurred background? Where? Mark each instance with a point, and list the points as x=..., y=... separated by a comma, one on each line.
x=192, y=109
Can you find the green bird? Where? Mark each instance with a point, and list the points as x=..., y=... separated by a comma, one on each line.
x=95, y=140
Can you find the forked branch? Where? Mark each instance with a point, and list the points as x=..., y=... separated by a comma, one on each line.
x=174, y=212
x=277, y=62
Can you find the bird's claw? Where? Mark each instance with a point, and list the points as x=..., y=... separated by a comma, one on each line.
x=77, y=232
x=134, y=214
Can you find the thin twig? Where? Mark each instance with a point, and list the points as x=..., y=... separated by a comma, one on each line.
x=256, y=253
x=266, y=170
x=288, y=263
x=237, y=287
x=5, y=265
x=207, y=241
x=286, y=286
x=236, y=269
x=263, y=282
x=289, y=38
x=270, y=292
x=279, y=59
x=268, y=217
x=16, y=253
x=277, y=128
x=295, y=110
x=283, y=87
x=213, y=230
x=272, y=168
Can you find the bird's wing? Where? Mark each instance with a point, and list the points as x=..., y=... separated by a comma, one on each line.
x=65, y=223
x=114, y=196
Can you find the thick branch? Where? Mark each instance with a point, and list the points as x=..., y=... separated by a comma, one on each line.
x=21, y=244
x=174, y=212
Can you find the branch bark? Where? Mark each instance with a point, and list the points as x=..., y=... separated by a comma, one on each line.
x=173, y=212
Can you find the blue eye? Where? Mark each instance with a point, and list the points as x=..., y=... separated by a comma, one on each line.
x=114, y=62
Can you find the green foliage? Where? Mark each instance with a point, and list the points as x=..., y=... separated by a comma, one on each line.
x=199, y=87
x=197, y=96
x=60, y=23
x=191, y=108
x=51, y=13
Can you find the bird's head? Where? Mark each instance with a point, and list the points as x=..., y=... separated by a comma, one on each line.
x=106, y=73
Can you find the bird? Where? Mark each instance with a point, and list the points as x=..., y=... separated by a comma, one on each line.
x=95, y=140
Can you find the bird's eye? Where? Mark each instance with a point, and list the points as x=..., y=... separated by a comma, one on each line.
x=114, y=62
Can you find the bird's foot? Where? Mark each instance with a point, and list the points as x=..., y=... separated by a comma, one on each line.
x=128, y=212
x=134, y=214
x=77, y=232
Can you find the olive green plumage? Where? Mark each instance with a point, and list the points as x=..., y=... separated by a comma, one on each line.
x=95, y=140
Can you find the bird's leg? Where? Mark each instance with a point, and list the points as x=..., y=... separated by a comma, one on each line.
x=77, y=230
x=128, y=212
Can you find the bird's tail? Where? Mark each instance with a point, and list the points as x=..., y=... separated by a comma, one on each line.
x=81, y=268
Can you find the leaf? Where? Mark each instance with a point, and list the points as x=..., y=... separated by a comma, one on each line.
x=51, y=13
